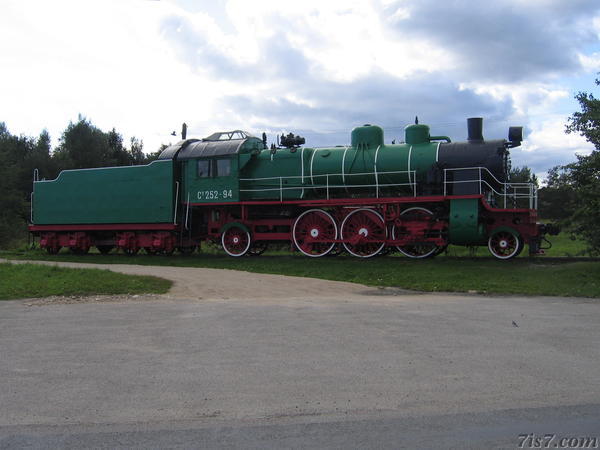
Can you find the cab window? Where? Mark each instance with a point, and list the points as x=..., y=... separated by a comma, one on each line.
x=223, y=168
x=203, y=168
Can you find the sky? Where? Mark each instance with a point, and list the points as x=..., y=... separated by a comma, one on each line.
x=313, y=67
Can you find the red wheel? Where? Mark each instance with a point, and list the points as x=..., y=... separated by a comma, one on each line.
x=416, y=250
x=504, y=244
x=235, y=241
x=364, y=233
x=314, y=232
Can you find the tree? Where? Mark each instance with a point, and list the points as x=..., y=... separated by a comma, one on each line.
x=82, y=145
x=587, y=121
x=556, y=200
x=136, y=151
x=522, y=175
x=583, y=176
x=12, y=203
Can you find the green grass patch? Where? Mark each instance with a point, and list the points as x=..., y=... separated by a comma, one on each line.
x=529, y=276
x=34, y=280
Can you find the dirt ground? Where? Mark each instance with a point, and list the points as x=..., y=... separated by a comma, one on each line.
x=207, y=284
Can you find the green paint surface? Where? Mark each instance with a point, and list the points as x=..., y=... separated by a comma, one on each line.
x=213, y=189
x=129, y=194
x=465, y=228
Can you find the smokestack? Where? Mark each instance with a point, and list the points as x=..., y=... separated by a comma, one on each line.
x=475, y=129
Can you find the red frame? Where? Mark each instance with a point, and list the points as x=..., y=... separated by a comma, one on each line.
x=164, y=237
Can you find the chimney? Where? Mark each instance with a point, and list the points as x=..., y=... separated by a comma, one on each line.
x=183, y=131
x=475, y=129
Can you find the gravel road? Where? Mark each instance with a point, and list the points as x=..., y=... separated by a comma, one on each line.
x=242, y=360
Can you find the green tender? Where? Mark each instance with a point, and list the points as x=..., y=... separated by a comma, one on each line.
x=110, y=195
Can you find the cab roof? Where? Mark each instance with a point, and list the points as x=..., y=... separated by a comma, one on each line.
x=223, y=143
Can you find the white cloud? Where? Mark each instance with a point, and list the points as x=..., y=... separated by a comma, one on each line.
x=105, y=60
x=591, y=63
x=547, y=145
x=144, y=67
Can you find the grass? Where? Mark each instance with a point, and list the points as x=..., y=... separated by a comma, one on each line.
x=559, y=273
x=544, y=275
x=34, y=280
x=563, y=245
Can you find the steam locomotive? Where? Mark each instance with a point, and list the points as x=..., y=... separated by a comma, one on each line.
x=367, y=198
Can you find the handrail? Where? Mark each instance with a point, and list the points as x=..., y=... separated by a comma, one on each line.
x=330, y=174
x=520, y=190
x=176, y=202
x=486, y=180
x=187, y=211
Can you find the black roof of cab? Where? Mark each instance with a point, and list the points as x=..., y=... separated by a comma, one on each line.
x=217, y=144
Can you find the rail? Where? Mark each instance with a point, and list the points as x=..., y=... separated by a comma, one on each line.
x=515, y=194
x=325, y=184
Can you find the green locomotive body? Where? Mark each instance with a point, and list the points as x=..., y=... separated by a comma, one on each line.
x=417, y=196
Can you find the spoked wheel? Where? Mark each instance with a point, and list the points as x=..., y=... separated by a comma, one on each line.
x=504, y=244
x=258, y=248
x=313, y=233
x=235, y=241
x=417, y=250
x=364, y=233
x=105, y=249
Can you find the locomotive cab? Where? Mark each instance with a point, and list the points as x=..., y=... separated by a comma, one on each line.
x=210, y=167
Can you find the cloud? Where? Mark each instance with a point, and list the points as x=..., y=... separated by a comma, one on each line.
x=315, y=67
x=502, y=41
x=379, y=99
x=546, y=145
x=326, y=68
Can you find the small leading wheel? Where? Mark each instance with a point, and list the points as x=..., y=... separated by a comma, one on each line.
x=314, y=232
x=364, y=233
x=504, y=244
x=417, y=250
x=258, y=248
x=235, y=241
